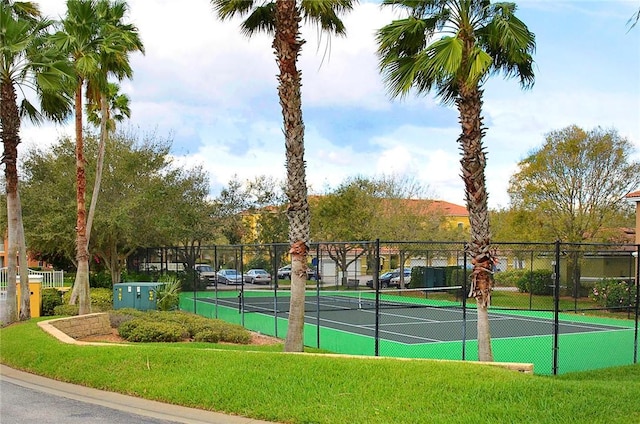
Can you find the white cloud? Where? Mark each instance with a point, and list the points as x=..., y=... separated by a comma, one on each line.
x=214, y=90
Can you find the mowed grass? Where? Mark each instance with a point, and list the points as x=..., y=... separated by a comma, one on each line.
x=305, y=388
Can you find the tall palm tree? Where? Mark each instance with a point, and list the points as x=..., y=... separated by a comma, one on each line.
x=113, y=107
x=282, y=19
x=27, y=63
x=98, y=44
x=453, y=46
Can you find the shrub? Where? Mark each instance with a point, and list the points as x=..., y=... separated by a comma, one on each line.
x=100, y=279
x=190, y=281
x=144, y=330
x=613, y=294
x=101, y=299
x=50, y=299
x=538, y=282
x=191, y=326
x=168, y=296
x=509, y=278
x=207, y=336
x=120, y=316
x=66, y=309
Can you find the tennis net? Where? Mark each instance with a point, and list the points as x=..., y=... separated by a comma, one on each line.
x=270, y=301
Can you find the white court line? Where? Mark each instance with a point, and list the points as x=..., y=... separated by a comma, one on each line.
x=383, y=331
x=596, y=328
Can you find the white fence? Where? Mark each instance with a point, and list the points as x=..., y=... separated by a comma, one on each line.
x=49, y=278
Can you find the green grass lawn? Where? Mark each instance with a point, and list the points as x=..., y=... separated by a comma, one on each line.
x=307, y=388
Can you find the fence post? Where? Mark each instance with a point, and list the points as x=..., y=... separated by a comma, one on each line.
x=318, y=275
x=464, y=301
x=556, y=307
x=635, y=338
x=376, y=283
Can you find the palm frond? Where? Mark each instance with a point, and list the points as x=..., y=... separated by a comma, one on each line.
x=227, y=9
x=325, y=13
x=261, y=19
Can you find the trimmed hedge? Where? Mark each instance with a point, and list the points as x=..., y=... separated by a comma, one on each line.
x=143, y=330
x=151, y=326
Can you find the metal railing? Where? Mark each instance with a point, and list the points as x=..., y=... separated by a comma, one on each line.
x=50, y=279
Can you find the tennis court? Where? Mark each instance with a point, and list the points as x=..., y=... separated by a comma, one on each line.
x=426, y=323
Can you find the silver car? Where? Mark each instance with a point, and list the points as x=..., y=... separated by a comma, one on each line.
x=257, y=276
x=229, y=276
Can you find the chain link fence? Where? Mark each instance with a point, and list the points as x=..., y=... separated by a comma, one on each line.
x=563, y=307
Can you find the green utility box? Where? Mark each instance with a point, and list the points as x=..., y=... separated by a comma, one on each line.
x=141, y=296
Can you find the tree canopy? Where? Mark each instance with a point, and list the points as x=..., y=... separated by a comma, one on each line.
x=147, y=201
x=576, y=182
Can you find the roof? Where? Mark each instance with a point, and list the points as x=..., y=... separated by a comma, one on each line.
x=634, y=195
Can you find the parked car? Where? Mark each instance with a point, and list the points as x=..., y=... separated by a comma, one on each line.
x=257, y=276
x=229, y=276
x=391, y=278
x=284, y=273
x=395, y=280
x=205, y=273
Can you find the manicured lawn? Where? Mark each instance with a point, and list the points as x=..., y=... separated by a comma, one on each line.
x=325, y=389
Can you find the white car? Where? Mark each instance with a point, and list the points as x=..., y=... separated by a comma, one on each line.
x=395, y=281
x=206, y=273
x=257, y=276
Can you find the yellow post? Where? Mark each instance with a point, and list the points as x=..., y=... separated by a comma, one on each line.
x=35, y=289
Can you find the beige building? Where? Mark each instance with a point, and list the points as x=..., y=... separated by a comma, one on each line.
x=635, y=197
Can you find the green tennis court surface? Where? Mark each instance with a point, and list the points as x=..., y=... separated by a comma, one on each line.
x=426, y=324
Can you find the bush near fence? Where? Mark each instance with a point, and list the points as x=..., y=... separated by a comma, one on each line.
x=537, y=282
x=613, y=294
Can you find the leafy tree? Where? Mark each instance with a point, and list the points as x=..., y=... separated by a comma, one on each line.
x=576, y=182
x=98, y=43
x=369, y=208
x=146, y=200
x=229, y=206
x=282, y=19
x=28, y=63
x=475, y=39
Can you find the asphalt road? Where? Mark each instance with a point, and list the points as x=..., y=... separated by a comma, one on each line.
x=23, y=405
x=27, y=398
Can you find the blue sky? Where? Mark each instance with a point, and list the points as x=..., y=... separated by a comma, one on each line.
x=213, y=91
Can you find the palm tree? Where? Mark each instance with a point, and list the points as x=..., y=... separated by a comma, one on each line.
x=27, y=63
x=453, y=46
x=282, y=19
x=98, y=44
x=113, y=107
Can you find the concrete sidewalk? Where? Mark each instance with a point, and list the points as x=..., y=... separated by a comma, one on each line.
x=130, y=404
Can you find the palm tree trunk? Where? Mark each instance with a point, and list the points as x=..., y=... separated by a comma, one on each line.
x=10, y=120
x=287, y=45
x=23, y=263
x=473, y=164
x=81, y=286
x=99, y=166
